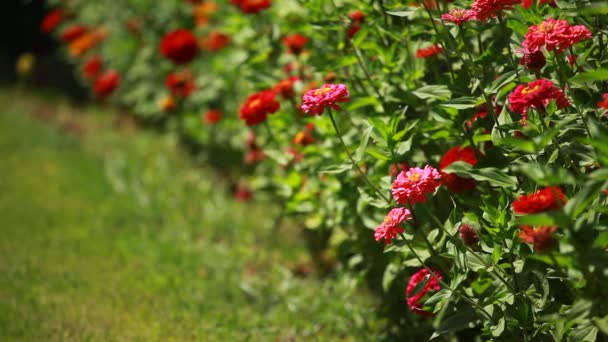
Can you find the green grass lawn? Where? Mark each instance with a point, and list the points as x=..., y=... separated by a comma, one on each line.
x=115, y=236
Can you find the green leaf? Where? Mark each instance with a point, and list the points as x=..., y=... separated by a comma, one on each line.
x=591, y=76
x=489, y=174
x=390, y=273
x=433, y=92
x=545, y=175
x=363, y=145
x=500, y=82
x=335, y=169
x=461, y=103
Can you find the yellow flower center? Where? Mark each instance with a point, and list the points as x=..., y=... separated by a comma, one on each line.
x=322, y=91
x=387, y=219
x=414, y=177
x=254, y=103
x=528, y=90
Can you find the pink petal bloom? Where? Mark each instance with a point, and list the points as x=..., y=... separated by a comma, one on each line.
x=315, y=101
x=487, y=9
x=414, y=300
x=555, y=35
x=390, y=227
x=413, y=185
x=537, y=95
x=458, y=16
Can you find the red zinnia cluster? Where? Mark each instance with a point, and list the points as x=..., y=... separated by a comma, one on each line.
x=214, y=41
x=285, y=87
x=542, y=237
x=179, y=46
x=357, y=18
x=212, y=116
x=487, y=9
x=92, y=67
x=537, y=95
x=251, y=6
x=414, y=300
x=51, y=20
x=106, y=83
x=430, y=51
x=391, y=226
x=258, y=106
x=546, y=199
x=554, y=35
x=180, y=84
x=72, y=33
x=295, y=43
x=454, y=182
x=604, y=103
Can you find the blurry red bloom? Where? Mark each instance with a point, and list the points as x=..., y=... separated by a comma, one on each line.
x=546, y=199
x=458, y=16
x=285, y=87
x=73, y=32
x=180, y=83
x=243, y=193
x=258, y=106
x=537, y=95
x=391, y=226
x=214, y=41
x=251, y=6
x=106, y=83
x=203, y=11
x=487, y=9
x=528, y=3
x=542, y=237
x=395, y=169
x=51, y=20
x=431, y=283
x=604, y=103
x=315, y=101
x=413, y=185
x=133, y=25
x=454, y=182
x=295, y=43
x=91, y=67
x=212, y=116
x=297, y=155
x=167, y=104
x=85, y=42
x=357, y=16
x=352, y=30
x=254, y=156
x=179, y=46
x=305, y=137
x=429, y=51
x=554, y=35
x=533, y=60
x=468, y=235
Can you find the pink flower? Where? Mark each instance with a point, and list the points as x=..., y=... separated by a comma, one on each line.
x=414, y=300
x=315, y=101
x=390, y=227
x=486, y=9
x=413, y=185
x=458, y=16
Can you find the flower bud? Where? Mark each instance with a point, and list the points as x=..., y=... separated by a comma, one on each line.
x=468, y=235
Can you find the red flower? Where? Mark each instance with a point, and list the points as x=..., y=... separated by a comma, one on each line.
x=258, y=106
x=295, y=43
x=604, y=103
x=73, y=32
x=546, y=199
x=452, y=181
x=533, y=60
x=528, y=3
x=285, y=87
x=352, y=30
x=555, y=35
x=180, y=84
x=459, y=16
x=212, y=117
x=537, y=95
x=254, y=156
x=251, y=6
x=179, y=46
x=214, y=41
x=91, y=67
x=242, y=193
x=305, y=137
x=106, y=83
x=357, y=16
x=391, y=226
x=51, y=20
x=487, y=9
x=542, y=237
x=414, y=300
x=468, y=235
x=429, y=51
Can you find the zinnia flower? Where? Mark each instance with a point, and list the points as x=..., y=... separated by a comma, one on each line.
x=214, y=41
x=179, y=46
x=315, y=101
x=468, y=235
x=533, y=60
x=414, y=300
x=546, y=199
x=51, y=20
x=487, y=9
x=357, y=16
x=458, y=16
x=528, y=3
x=180, y=84
x=251, y=6
x=167, y=104
x=604, y=103
x=285, y=87
x=542, y=237
x=212, y=116
x=536, y=94
x=430, y=51
x=73, y=32
x=554, y=35
x=106, y=83
x=454, y=182
x=295, y=43
x=305, y=137
x=390, y=227
x=258, y=106
x=413, y=185
x=242, y=193
x=91, y=67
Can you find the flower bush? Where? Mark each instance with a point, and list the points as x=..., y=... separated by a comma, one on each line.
x=478, y=126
